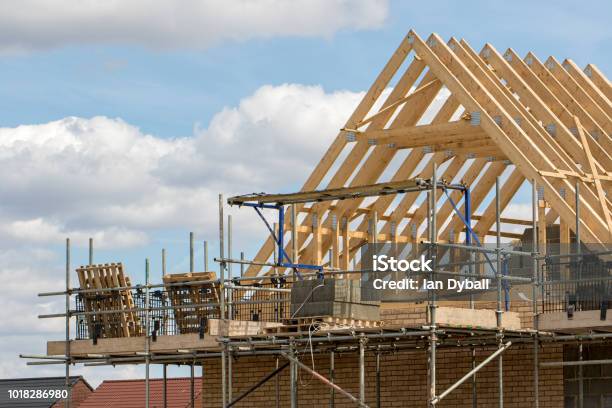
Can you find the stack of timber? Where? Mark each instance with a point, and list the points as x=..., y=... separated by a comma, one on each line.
x=340, y=298
x=119, y=324
x=193, y=303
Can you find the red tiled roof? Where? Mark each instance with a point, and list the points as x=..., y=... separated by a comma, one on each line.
x=131, y=394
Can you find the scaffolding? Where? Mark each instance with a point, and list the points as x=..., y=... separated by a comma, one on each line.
x=238, y=294
x=550, y=121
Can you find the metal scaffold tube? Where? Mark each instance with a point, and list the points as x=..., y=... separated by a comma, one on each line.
x=433, y=238
x=165, y=386
x=377, y=378
x=68, y=385
x=498, y=312
x=293, y=376
x=294, y=239
x=580, y=378
x=147, y=339
x=192, y=384
x=332, y=375
x=91, y=249
x=291, y=357
x=205, y=256
x=277, y=383
x=230, y=307
x=362, y=342
x=536, y=345
x=191, y=256
x=474, y=385
x=242, y=265
x=578, y=250
x=164, y=366
x=222, y=303
x=463, y=379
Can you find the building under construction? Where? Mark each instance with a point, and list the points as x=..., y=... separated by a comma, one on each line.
x=424, y=170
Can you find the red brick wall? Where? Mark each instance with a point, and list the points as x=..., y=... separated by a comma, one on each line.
x=403, y=379
x=80, y=391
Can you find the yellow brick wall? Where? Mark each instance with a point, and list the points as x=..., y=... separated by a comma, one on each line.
x=403, y=379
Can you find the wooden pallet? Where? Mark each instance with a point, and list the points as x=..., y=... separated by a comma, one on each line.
x=106, y=276
x=323, y=325
x=188, y=319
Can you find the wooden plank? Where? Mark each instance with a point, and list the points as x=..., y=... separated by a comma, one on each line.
x=394, y=105
x=586, y=84
x=538, y=98
x=599, y=79
x=523, y=120
x=121, y=303
x=123, y=346
x=523, y=117
x=542, y=102
x=422, y=135
x=598, y=124
x=577, y=92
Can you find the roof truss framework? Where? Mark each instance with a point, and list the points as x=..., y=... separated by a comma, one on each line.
x=477, y=116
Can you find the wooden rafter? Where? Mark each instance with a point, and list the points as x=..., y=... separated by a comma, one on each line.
x=599, y=80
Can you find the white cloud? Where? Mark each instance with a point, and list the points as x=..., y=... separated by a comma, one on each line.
x=36, y=24
x=106, y=179
x=40, y=231
x=77, y=176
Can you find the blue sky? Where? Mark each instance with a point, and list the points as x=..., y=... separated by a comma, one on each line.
x=173, y=105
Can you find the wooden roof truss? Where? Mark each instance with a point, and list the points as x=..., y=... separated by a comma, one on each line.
x=477, y=116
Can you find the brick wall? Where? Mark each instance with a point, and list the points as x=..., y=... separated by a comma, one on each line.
x=80, y=391
x=415, y=314
x=403, y=379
